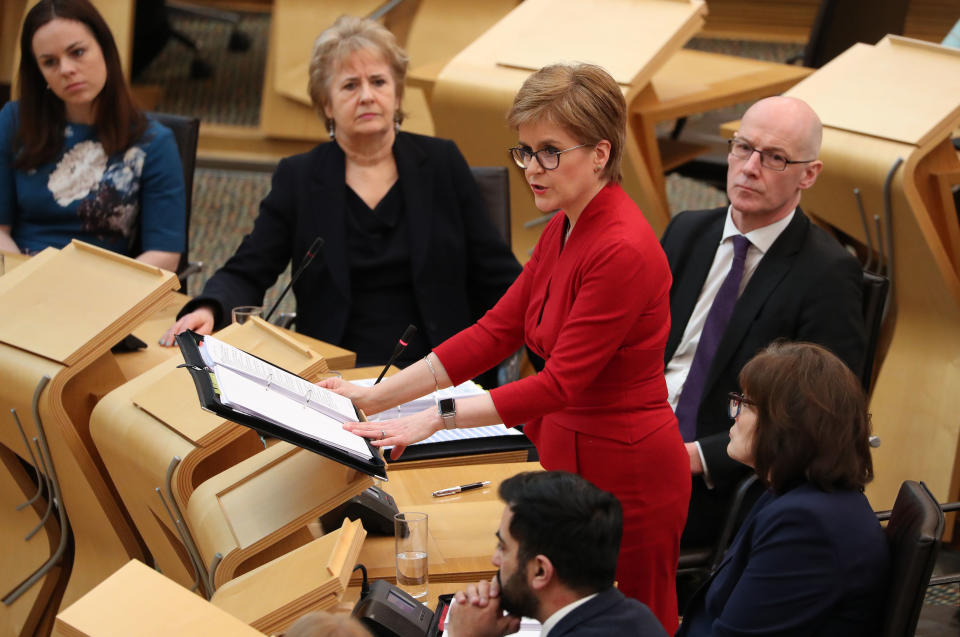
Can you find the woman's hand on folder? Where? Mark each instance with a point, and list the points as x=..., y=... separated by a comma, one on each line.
x=399, y=432
x=357, y=393
x=200, y=321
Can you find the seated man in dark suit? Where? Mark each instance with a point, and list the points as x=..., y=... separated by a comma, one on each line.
x=744, y=276
x=557, y=554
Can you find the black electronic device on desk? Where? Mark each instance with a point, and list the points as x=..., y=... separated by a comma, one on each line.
x=387, y=611
x=374, y=507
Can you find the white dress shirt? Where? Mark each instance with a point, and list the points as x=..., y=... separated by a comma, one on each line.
x=560, y=613
x=760, y=241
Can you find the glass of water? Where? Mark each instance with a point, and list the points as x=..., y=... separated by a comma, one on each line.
x=410, y=533
x=242, y=313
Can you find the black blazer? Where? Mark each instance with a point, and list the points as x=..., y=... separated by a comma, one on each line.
x=806, y=288
x=461, y=266
x=609, y=613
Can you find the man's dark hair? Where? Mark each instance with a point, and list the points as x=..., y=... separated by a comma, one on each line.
x=573, y=523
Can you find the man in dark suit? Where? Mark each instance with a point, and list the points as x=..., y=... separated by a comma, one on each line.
x=744, y=276
x=557, y=555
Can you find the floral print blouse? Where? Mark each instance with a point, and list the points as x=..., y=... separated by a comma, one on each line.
x=87, y=195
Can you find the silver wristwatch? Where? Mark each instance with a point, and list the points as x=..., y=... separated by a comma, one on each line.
x=448, y=412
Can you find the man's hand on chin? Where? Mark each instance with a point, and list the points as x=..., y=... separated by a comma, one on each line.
x=476, y=612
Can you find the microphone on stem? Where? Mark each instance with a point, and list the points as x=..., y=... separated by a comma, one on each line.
x=408, y=334
x=307, y=259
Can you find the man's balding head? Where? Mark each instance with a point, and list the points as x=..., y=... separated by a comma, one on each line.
x=795, y=116
x=761, y=195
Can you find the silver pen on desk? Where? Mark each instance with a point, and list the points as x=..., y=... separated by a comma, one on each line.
x=463, y=487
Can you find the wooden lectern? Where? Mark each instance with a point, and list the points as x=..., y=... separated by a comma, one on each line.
x=160, y=447
x=137, y=600
x=888, y=111
x=312, y=577
x=63, y=310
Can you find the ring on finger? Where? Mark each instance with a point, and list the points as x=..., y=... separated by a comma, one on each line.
x=382, y=434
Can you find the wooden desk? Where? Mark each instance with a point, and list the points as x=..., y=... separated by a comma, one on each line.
x=137, y=600
x=73, y=352
x=892, y=107
x=462, y=527
x=143, y=424
x=11, y=260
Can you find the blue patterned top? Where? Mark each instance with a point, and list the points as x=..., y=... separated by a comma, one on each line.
x=88, y=196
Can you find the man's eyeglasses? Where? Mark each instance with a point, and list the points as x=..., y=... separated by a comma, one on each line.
x=736, y=401
x=772, y=159
x=549, y=158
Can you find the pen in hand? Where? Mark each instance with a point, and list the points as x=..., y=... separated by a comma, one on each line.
x=463, y=487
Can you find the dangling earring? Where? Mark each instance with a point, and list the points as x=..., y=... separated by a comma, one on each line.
x=331, y=129
x=396, y=123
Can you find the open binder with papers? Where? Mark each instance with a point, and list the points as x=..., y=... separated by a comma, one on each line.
x=250, y=391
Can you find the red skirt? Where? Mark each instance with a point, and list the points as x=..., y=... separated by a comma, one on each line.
x=651, y=478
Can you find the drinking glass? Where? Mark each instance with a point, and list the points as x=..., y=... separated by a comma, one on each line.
x=410, y=534
x=243, y=312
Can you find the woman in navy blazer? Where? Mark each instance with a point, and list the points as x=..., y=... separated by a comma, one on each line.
x=811, y=558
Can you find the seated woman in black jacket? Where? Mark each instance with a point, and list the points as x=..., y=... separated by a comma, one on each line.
x=407, y=238
x=811, y=558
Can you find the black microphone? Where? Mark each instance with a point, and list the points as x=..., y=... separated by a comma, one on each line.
x=307, y=259
x=408, y=334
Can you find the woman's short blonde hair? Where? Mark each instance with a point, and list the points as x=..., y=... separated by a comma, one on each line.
x=583, y=99
x=346, y=36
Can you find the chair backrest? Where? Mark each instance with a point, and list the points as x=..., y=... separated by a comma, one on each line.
x=186, y=131
x=913, y=532
x=875, y=290
x=494, y=182
x=842, y=23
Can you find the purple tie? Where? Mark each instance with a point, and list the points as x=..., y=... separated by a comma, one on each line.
x=716, y=323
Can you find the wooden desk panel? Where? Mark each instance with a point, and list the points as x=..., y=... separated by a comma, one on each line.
x=462, y=526
x=136, y=600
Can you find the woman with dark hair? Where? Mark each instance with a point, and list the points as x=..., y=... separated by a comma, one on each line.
x=810, y=558
x=593, y=301
x=77, y=159
x=408, y=240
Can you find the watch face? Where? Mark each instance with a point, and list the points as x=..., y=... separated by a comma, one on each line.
x=447, y=406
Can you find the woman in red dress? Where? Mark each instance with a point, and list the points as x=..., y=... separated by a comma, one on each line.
x=593, y=301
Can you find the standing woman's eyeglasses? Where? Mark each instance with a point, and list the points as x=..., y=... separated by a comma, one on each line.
x=736, y=400
x=549, y=158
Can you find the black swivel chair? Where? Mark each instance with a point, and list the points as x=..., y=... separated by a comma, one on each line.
x=842, y=23
x=152, y=29
x=186, y=131
x=494, y=182
x=875, y=289
x=913, y=531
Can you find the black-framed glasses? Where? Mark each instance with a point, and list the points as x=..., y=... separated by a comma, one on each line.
x=736, y=401
x=549, y=158
x=772, y=159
